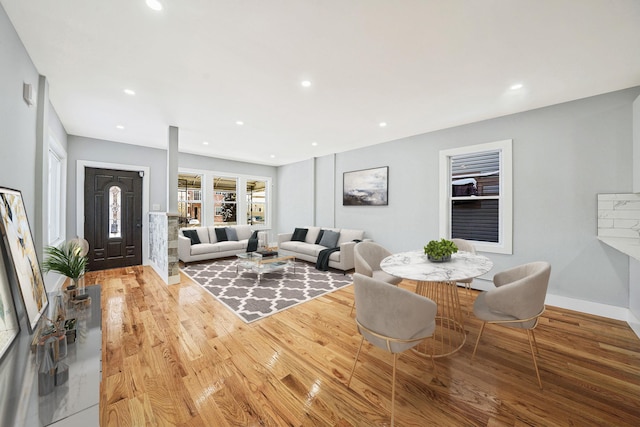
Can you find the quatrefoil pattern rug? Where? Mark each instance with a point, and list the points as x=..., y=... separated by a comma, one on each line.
x=251, y=299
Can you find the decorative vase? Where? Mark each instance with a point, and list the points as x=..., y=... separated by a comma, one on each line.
x=440, y=259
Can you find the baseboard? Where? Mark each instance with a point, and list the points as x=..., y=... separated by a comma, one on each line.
x=595, y=308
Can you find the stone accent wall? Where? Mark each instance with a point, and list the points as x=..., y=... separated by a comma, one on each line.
x=163, y=246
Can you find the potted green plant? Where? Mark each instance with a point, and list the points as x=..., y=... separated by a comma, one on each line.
x=67, y=259
x=440, y=250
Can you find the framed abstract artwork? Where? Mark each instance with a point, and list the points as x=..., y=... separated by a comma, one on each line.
x=21, y=252
x=368, y=187
x=9, y=325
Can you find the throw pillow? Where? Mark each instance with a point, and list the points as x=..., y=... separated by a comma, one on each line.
x=193, y=235
x=221, y=234
x=299, y=234
x=320, y=233
x=232, y=234
x=330, y=239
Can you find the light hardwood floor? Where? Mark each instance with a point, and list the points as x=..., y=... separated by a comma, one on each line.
x=173, y=355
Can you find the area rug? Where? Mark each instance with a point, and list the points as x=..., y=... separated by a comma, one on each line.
x=252, y=300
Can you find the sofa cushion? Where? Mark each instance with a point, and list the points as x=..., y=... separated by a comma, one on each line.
x=347, y=235
x=312, y=234
x=329, y=239
x=192, y=235
x=204, y=248
x=232, y=234
x=221, y=234
x=243, y=231
x=299, y=234
x=203, y=234
x=229, y=246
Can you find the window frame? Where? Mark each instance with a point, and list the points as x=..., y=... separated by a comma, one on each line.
x=57, y=187
x=505, y=199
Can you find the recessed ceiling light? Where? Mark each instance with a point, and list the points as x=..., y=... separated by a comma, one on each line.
x=273, y=156
x=129, y=92
x=154, y=4
x=305, y=83
x=516, y=86
x=382, y=124
x=314, y=143
x=205, y=142
x=120, y=127
x=239, y=122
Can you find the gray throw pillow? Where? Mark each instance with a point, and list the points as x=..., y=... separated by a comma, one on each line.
x=232, y=234
x=330, y=239
x=192, y=235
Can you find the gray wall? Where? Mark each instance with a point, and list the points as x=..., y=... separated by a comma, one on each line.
x=193, y=161
x=96, y=150
x=634, y=265
x=563, y=156
x=295, y=196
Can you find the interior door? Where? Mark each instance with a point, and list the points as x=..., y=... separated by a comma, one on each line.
x=113, y=218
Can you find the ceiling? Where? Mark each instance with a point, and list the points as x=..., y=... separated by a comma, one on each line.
x=416, y=65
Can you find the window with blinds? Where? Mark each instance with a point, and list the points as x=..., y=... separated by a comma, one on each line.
x=475, y=195
x=475, y=202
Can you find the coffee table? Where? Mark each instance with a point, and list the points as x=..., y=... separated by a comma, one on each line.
x=259, y=264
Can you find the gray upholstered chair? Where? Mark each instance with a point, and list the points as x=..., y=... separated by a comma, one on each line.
x=367, y=257
x=517, y=301
x=393, y=319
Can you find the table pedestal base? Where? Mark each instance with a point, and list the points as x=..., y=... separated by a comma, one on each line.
x=449, y=335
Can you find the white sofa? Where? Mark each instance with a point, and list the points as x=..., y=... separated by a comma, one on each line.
x=209, y=246
x=309, y=250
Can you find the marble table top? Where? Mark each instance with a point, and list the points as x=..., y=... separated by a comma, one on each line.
x=414, y=265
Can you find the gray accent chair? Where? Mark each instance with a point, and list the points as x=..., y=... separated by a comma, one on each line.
x=393, y=319
x=367, y=257
x=517, y=302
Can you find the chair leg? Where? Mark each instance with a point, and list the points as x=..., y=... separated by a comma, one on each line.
x=353, y=305
x=393, y=388
x=355, y=361
x=535, y=343
x=477, y=341
x=533, y=355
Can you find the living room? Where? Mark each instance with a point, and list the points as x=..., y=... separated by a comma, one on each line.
x=564, y=155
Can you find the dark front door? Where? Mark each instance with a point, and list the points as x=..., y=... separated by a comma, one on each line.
x=113, y=218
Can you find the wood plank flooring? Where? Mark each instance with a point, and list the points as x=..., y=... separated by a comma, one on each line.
x=174, y=356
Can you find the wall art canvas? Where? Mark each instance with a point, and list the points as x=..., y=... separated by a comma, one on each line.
x=368, y=187
x=21, y=251
x=9, y=325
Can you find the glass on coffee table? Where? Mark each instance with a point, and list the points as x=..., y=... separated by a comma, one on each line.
x=262, y=262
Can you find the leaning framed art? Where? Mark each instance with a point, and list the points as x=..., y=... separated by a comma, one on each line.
x=21, y=251
x=367, y=187
x=9, y=325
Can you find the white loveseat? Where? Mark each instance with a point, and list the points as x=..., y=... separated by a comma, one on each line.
x=308, y=249
x=209, y=246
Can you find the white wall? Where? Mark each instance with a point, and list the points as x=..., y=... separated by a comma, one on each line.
x=325, y=187
x=634, y=264
x=563, y=156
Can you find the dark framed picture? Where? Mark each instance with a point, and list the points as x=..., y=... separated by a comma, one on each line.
x=367, y=187
x=21, y=251
x=9, y=325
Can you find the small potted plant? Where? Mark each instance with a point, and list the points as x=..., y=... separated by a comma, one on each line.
x=440, y=250
x=67, y=259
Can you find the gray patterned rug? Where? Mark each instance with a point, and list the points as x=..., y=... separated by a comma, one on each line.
x=252, y=300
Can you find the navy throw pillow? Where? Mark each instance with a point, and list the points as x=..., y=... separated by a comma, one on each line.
x=299, y=234
x=193, y=235
x=221, y=234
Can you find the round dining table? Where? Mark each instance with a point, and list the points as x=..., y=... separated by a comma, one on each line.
x=438, y=281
